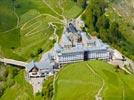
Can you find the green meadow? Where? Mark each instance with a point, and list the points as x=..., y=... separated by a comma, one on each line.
x=83, y=81
x=112, y=23
x=21, y=90
x=25, y=25
x=27, y=30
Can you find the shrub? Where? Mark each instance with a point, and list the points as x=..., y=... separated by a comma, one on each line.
x=39, y=51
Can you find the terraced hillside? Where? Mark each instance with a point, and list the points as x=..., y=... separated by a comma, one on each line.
x=93, y=80
x=28, y=27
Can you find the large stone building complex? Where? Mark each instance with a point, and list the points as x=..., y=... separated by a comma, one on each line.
x=75, y=45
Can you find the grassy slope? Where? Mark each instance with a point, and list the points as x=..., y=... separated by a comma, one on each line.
x=36, y=30
x=21, y=90
x=77, y=81
x=114, y=10
x=125, y=27
x=14, y=16
x=116, y=82
x=14, y=43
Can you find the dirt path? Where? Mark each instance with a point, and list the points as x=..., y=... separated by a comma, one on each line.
x=98, y=95
x=82, y=13
x=55, y=29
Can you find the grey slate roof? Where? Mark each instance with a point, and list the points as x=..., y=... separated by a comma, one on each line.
x=46, y=64
x=99, y=46
x=57, y=47
x=65, y=40
x=30, y=65
x=95, y=45
x=84, y=36
x=71, y=28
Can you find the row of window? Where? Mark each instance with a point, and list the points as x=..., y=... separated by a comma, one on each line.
x=98, y=55
x=70, y=57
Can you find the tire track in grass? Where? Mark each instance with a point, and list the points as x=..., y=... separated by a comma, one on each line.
x=42, y=29
x=38, y=17
x=98, y=95
x=123, y=91
x=30, y=25
x=28, y=33
x=36, y=32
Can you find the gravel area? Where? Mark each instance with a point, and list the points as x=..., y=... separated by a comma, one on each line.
x=37, y=84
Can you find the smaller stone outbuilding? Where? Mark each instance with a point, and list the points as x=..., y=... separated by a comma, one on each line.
x=41, y=68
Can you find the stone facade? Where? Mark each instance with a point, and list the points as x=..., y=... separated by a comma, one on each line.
x=75, y=45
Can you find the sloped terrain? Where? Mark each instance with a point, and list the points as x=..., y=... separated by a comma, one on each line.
x=125, y=8
x=91, y=80
x=26, y=26
x=13, y=85
x=27, y=29
x=112, y=21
